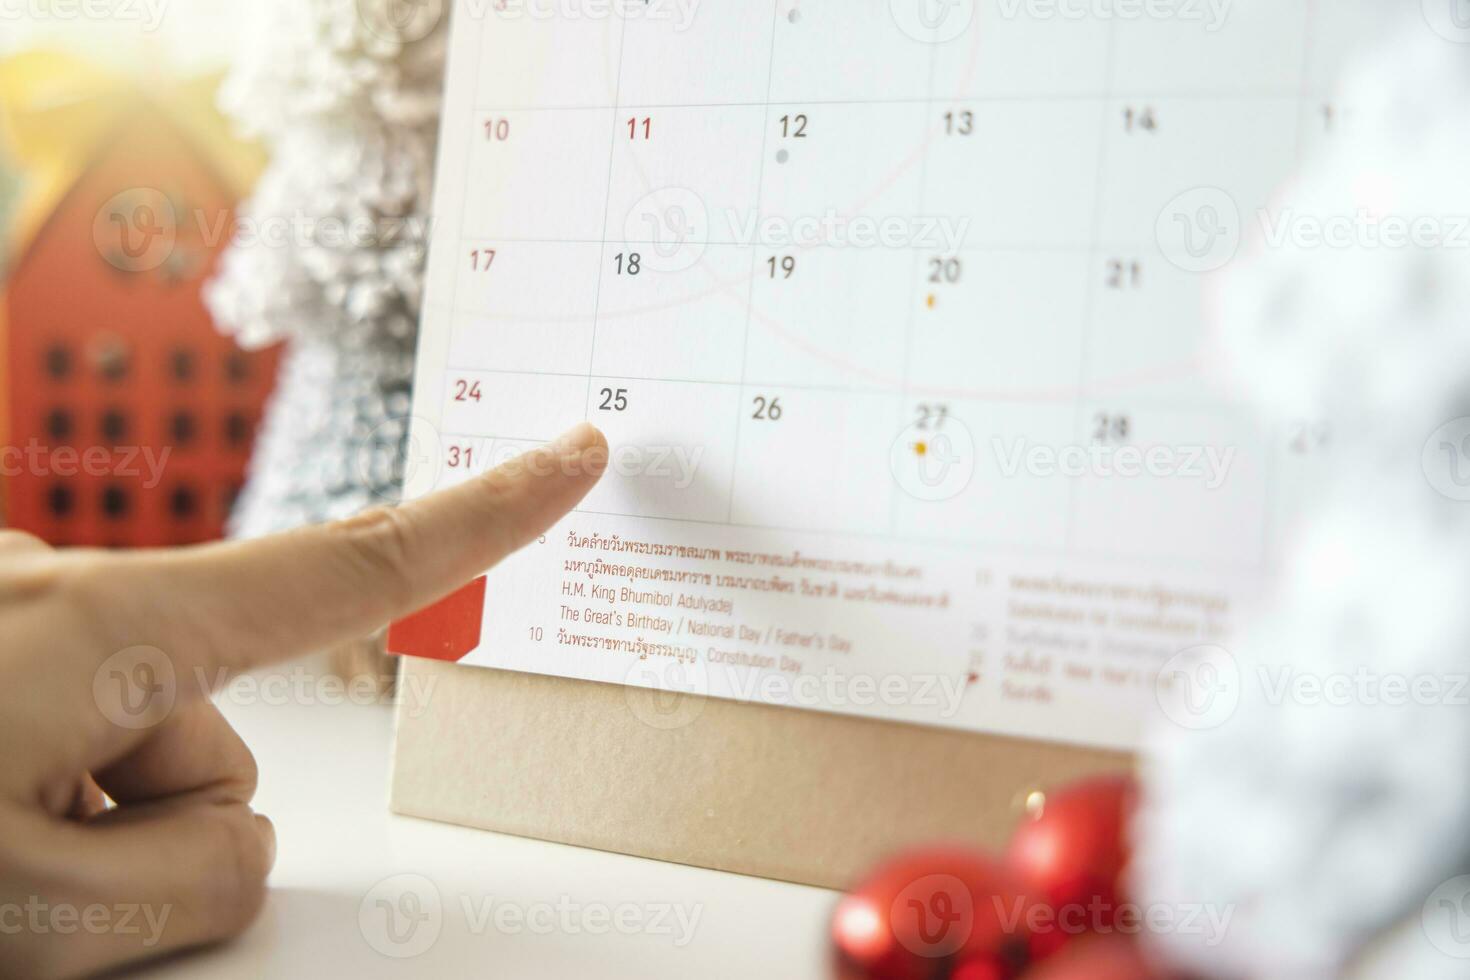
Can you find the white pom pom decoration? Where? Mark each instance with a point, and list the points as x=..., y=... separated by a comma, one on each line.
x=1335, y=801
x=333, y=244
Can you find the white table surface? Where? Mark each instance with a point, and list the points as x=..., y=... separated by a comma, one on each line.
x=324, y=772
x=324, y=783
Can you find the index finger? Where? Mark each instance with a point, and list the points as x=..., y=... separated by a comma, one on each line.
x=242, y=605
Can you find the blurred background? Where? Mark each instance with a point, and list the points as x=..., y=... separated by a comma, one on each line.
x=129, y=419
x=197, y=36
x=174, y=314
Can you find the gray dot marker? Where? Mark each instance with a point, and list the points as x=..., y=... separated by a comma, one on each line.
x=782, y=156
x=794, y=16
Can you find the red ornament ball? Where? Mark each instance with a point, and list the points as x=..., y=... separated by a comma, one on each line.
x=977, y=970
x=1072, y=856
x=1100, y=958
x=946, y=912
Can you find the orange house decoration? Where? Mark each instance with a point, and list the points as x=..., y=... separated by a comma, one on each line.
x=128, y=419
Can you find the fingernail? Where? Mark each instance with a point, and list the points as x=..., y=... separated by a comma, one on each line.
x=268, y=835
x=578, y=439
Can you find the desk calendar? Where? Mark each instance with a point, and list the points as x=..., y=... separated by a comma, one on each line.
x=895, y=313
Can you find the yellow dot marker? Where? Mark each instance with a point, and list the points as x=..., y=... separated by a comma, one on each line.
x=932, y=301
x=920, y=448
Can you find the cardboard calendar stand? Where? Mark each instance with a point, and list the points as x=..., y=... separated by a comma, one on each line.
x=782, y=793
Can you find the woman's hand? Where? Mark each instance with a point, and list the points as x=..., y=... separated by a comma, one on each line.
x=101, y=656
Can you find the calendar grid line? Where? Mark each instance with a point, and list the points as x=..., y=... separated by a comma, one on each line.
x=1089, y=315
x=1203, y=408
x=1119, y=245
x=760, y=183
x=1260, y=95
x=914, y=287
x=468, y=164
x=484, y=437
x=1272, y=464
x=1019, y=248
x=612, y=151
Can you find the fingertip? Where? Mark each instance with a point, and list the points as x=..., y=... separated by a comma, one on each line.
x=580, y=438
x=582, y=450
x=267, y=831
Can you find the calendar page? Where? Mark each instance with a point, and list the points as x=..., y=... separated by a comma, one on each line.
x=896, y=316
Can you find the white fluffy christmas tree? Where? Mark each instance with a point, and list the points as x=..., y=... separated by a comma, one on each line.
x=1325, y=817
x=346, y=95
